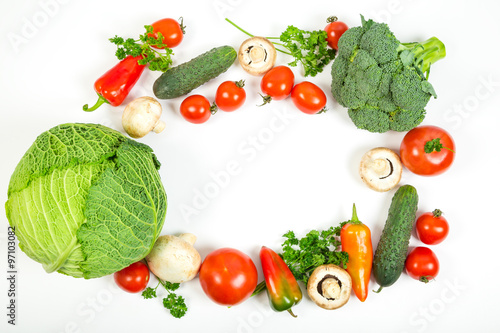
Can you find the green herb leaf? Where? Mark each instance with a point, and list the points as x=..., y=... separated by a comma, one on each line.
x=149, y=293
x=434, y=145
x=309, y=48
x=315, y=249
x=176, y=305
x=143, y=46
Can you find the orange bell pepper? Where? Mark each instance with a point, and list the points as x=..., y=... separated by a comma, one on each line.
x=356, y=240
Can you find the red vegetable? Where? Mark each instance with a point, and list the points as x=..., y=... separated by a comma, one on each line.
x=230, y=95
x=277, y=83
x=427, y=150
x=114, y=86
x=422, y=264
x=171, y=30
x=196, y=109
x=228, y=276
x=432, y=228
x=133, y=278
x=334, y=29
x=282, y=287
x=308, y=97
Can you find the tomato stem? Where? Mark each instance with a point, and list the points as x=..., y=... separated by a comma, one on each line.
x=437, y=213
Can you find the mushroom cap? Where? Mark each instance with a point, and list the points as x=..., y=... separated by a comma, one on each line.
x=142, y=116
x=174, y=259
x=329, y=286
x=257, y=55
x=380, y=169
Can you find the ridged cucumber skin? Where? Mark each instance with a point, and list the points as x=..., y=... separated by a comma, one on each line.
x=390, y=255
x=180, y=80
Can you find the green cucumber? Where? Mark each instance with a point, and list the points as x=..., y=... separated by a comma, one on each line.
x=390, y=256
x=185, y=77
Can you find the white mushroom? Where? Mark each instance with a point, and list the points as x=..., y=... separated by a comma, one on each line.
x=380, y=169
x=329, y=286
x=174, y=258
x=142, y=116
x=257, y=55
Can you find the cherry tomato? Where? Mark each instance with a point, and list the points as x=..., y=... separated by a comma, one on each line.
x=196, y=109
x=133, y=278
x=414, y=155
x=172, y=31
x=432, y=228
x=308, y=97
x=230, y=95
x=422, y=264
x=334, y=30
x=278, y=82
x=228, y=276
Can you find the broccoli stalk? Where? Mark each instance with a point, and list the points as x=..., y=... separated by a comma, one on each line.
x=424, y=54
x=383, y=82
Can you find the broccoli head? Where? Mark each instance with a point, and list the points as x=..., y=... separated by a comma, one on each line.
x=383, y=82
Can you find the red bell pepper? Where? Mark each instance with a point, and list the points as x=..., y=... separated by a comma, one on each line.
x=283, y=289
x=116, y=83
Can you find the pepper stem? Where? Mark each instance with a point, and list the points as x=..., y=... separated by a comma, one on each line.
x=354, y=218
x=99, y=102
x=291, y=312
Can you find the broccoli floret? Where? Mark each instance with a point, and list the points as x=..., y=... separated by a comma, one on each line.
x=382, y=81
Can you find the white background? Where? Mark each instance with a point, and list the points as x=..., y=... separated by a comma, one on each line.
x=299, y=176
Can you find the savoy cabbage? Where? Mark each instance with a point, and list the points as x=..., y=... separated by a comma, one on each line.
x=86, y=201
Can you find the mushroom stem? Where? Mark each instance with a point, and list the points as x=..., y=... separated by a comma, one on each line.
x=330, y=288
x=382, y=166
x=159, y=127
x=188, y=237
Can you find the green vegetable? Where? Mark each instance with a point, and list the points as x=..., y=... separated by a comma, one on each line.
x=158, y=61
x=315, y=249
x=381, y=81
x=86, y=201
x=181, y=79
x=310, y=48
x=434, y=145
x=390, y=256
x=173, y=302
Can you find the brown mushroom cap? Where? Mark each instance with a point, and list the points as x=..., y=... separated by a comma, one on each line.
x=329, y=286
x=380, y=169
x=257, y=55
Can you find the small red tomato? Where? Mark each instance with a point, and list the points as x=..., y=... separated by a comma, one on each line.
x=432, y=228
x=133, y=278
x=422, y=264
x=228, y=276
x=230, y=95
x=334, y=30
x=427, y=150
x=308, y=97
x=196, y=109
x=171, y=30
x=277, y=83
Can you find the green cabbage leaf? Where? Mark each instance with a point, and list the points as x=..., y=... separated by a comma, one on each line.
x=86, y=201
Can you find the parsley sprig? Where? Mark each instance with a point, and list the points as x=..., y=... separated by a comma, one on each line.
x=435, y=145
x=315, y=249
x=173, y=302
x=310, y=48
x=145, y=46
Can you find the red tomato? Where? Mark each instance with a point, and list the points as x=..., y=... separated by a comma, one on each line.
x=334, y=30
x=308, y=97
x=417, y=160
x=230, y=95
x=278, y=82
x=432, y=228
x=172, y=31
x=133, y=278
x=196, y=109
x=228, y=276
x=422, y=264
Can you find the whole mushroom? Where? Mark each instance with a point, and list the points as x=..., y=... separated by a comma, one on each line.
x=142, y=116
x=329, y=286
x=257, y=55
x=174, y=258
x=380, y=169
